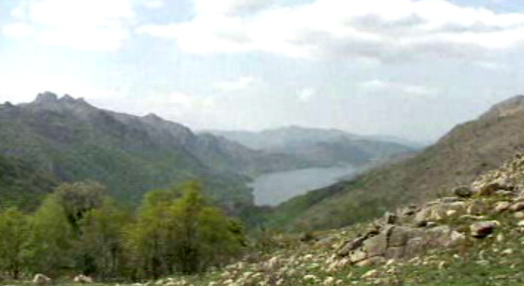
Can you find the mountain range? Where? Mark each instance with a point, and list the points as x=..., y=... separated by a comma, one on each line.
x=467, y=151
x=75, y=141
x=319, y=147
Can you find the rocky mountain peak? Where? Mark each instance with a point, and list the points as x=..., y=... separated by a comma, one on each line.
x=153, y=117
x=51, y=101
x=46, y=98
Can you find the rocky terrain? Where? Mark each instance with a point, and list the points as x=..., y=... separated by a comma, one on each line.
x=473, y=236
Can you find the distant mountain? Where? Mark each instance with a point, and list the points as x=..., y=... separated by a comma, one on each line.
x=77, y=141
x=319, y=147
x=467, y=151
x=23, y=186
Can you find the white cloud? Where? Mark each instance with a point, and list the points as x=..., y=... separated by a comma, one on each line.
x=381, y=87
x=229, y=7
x=307, y=94
x=393, y=30
x=153, y=4
x=18, y=30
x=80, y=24
x=239, y=84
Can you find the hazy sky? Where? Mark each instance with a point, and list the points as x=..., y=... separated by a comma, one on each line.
x=399, y=67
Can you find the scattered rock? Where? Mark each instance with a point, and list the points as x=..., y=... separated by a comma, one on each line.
x=502, y=206
x=519, y=215
x=482, y=229
x=489, y=189
x=517, y=207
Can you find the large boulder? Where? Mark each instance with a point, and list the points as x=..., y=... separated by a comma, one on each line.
x=396, y=242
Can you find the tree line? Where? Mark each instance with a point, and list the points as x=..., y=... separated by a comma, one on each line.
x=79, y=230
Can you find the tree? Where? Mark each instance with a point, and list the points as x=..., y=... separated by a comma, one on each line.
x=101, y=240
x=51, y=242
x=14, y=230
x=79, y=198
x=201, y=234
x=147, y=239
x=180, y=233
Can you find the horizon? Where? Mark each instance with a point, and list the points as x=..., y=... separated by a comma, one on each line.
x=411, y=69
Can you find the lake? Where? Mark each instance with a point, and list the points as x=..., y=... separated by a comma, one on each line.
x=274, y=188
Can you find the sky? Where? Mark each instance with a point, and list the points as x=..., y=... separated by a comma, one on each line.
x=407, y=68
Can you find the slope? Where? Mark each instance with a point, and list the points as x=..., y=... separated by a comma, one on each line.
x=21, y=185
x=468, y=150
x=130, y=154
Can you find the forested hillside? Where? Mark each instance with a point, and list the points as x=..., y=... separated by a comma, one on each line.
x=77, y=141
x=22, y=185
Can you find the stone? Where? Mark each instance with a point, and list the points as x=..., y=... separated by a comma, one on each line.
x=482, y=229
x=502, y=206
x=41, y=279
x=369, y=273
x=519, y=215
x=357, y=256
x=439, y=236
x=517, y=207
x=390, y=218
x=477, y=207
x=489, y=189
x=463, y=192
x=354, y=244
x=376, y=245
x=83, y=279
x=395, y=252
x=400, y=235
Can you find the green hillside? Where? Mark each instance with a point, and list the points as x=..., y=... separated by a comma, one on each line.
x=77, y=141
x=22, y=185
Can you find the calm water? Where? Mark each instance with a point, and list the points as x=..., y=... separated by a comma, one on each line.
x=275, y=188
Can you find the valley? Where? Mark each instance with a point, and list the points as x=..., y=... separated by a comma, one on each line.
x=261, y=143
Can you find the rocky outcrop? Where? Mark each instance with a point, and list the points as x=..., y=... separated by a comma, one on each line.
x=413, y=230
